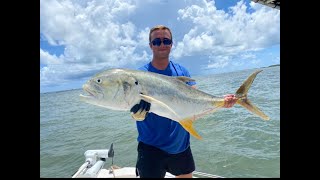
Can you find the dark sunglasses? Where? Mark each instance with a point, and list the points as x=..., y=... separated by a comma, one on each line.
x=157, y=41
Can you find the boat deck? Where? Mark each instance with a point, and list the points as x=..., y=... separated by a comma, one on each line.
x=125, y=172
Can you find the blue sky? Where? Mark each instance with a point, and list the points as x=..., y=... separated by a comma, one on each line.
x=79, y=38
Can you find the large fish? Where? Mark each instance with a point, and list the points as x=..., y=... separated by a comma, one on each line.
x=169, y=96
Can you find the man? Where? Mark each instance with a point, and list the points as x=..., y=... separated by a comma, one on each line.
x=164, y=145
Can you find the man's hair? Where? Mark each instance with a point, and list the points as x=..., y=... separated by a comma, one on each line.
x=159, y=27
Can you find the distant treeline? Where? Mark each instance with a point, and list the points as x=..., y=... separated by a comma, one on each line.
x=274, y=65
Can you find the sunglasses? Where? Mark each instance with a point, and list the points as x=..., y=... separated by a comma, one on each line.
x=157, y=41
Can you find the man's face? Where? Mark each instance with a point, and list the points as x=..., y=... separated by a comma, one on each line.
x=161, y=51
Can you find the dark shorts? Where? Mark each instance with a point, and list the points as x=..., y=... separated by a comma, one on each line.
x=154, y=163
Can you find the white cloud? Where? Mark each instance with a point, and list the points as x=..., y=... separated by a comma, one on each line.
x=46, y=58
x=219, y=61
x=216, y=32
x=92, y=35
x=90, y=32
x=100, y=34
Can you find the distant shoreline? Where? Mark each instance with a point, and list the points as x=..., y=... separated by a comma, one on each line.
x=60, y=91
x=271, y=66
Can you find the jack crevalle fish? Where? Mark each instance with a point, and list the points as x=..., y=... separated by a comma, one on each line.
x=169, y=96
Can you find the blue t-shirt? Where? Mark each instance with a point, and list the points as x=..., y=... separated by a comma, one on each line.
x=161, y=132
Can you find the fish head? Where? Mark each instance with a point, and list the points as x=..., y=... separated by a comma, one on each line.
x=114, y=89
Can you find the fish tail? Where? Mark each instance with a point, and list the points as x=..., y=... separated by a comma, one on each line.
x=242, y=92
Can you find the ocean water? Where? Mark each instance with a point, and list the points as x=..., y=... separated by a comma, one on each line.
x=235, y=142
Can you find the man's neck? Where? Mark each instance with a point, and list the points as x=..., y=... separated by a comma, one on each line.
x=160, y=64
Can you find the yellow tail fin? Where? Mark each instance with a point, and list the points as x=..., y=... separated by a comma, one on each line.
x=242, y=92
x=187, y=124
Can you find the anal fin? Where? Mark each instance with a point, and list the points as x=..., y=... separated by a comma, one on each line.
x=187, y=124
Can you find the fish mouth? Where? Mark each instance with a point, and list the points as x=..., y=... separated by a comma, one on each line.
x=89, y=93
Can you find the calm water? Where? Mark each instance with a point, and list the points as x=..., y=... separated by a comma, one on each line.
x=235, y=142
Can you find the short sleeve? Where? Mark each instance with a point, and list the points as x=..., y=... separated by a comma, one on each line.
x=186, y=73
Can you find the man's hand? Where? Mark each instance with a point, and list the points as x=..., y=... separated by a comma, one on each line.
x=140, y=111
x=229, y=100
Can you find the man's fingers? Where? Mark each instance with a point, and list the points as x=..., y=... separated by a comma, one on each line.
x=142, y=106
x=229, y=100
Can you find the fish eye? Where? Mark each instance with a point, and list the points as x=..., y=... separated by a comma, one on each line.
x=136, y=82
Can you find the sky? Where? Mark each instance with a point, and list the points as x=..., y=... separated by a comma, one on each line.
x=79, y=38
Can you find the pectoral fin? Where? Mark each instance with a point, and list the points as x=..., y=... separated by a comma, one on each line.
x=187, y=124
x=160, y=103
